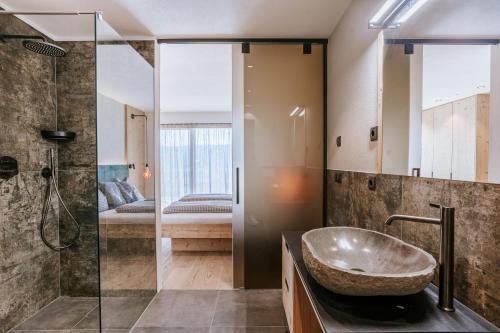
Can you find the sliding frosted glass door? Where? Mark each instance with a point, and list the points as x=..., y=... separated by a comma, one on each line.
x=281, y=170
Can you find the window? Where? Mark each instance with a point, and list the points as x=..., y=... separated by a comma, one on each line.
x=195, y=159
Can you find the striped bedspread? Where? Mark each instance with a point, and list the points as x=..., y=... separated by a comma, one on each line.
x=206, y=197
x=145, y=206
x=206, y=206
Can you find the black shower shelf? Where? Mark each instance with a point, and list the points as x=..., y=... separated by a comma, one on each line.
x=59, y=135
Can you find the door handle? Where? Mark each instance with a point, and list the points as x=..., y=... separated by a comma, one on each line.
x=237, y=186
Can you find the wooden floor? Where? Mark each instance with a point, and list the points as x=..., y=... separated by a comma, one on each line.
x=196, y=270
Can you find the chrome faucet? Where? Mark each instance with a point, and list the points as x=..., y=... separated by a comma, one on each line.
x=446, y=252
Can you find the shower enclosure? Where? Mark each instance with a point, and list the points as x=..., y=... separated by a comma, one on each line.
x=48, y=222
x=53, y=266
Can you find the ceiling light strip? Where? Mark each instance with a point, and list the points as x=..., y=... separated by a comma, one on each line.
x=395, y=12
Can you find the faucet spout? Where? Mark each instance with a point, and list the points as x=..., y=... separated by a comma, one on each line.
x=446, y=255
x=428, y=220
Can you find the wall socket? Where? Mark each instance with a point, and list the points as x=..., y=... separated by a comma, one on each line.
x=338, y=177
x=372, y=183
x=374, y=133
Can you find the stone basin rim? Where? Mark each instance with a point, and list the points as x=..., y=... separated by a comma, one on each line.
x=430, y=268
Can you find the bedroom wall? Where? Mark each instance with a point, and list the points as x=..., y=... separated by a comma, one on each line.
x=29, y=271
x=77, y=166
x=135, y=148
x=196, y=117
x=111, y=130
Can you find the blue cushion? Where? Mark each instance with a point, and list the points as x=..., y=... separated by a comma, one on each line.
x=102, y=201
x=130, y=192
x=113, y=194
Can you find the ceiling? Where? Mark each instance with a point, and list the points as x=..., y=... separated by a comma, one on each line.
x=196, y=77
x=191, y=18
x=453, y=72
x=452, y=19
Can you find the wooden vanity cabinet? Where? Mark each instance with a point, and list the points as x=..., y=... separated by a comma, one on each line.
x=299, y=312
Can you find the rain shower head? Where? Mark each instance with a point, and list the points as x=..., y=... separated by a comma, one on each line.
x=37, y=44
x=45, y=48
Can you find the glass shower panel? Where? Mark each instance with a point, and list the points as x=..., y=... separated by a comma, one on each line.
x=49, y=277
x=283, y=153
x=125, y=154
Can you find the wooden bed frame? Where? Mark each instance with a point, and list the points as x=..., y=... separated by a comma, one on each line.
x=199, y=237
x=185, y=237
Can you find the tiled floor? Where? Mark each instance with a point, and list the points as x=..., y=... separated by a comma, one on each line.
x=211, y=311
x=81, y=315
x=171, y=311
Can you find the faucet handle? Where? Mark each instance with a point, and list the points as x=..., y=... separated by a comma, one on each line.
x=435, y=205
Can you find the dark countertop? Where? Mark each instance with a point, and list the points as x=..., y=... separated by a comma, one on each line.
x=416, y=313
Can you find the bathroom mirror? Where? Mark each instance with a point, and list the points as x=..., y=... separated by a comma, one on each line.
x=440, y=97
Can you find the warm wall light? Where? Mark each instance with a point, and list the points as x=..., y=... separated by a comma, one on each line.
x=393, y=13
x=147, y=172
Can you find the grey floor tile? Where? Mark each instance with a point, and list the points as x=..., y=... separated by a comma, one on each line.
x=117, y=313
x=249, y=308
x=249, y=330
x=103, y=331
x=171, y=330
x=180, y=308
x=62, y=314
x=38, y=331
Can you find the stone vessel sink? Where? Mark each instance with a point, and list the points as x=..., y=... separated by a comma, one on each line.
x=359, y=262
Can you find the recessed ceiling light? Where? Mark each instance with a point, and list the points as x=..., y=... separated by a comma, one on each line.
x=250, y=66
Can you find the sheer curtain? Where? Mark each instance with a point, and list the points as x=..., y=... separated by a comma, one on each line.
x=195, y=159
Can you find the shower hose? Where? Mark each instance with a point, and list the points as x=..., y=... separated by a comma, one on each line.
x=50, y=174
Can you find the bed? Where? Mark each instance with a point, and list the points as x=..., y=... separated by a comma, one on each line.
x=188, y=231
x=206, y=230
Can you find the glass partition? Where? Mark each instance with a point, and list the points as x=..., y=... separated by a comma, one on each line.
x=125, y=155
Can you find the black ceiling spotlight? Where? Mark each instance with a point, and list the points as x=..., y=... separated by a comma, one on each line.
x=245, y=47
x=306, y=48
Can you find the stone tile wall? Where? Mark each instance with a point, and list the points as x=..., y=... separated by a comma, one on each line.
x=477, y=228
x=29, y=271
x=78, y=168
